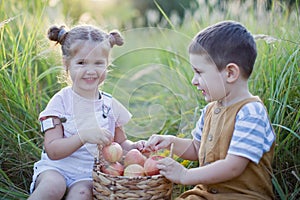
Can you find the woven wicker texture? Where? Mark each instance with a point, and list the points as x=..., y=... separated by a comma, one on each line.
x=109, y=187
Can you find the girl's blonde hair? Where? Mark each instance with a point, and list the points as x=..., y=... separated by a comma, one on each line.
x=82, y=33
x=69, y=39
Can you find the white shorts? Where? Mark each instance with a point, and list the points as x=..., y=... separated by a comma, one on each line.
x=69, y=174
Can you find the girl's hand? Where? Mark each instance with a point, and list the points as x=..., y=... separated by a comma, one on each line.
x=157, y=142
x=172, y=170
x=96, y=135
x=140, y=145
x=89, y=129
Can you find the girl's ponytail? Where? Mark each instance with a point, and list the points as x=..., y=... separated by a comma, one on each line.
x=57, y=34
x=115, y=38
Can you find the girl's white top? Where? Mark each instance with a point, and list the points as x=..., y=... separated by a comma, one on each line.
x=81, y=113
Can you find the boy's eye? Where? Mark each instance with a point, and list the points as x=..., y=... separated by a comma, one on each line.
x=197, y=71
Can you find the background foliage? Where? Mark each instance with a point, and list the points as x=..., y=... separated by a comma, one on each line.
x=150, y=74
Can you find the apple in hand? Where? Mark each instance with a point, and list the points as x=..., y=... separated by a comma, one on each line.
x=150, y=165
x=115, y=169
x=113, y=152
x=134, y=156
x=134, y=170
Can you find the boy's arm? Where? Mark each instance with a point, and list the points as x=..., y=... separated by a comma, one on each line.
x=219, y=171
x=183, y=147
x=186, y=149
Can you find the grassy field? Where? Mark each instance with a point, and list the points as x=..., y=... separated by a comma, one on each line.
x=150, y=75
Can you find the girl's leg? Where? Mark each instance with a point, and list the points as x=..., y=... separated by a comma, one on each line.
x=50, y=185
x=82, y=190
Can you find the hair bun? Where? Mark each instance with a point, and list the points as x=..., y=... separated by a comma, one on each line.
x=57, y=34
x=115, y=38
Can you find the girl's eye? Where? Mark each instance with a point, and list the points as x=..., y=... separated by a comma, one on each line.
x=99, y=62
x=81, y=62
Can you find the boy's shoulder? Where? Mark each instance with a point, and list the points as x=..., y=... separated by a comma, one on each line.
x=252, y=108
x=209, y=106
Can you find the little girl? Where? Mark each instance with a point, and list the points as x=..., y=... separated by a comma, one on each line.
x=79, y=117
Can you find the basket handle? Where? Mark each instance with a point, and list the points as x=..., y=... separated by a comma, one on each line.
x=99, y=158
x=171, y=150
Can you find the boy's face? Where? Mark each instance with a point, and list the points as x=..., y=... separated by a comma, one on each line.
x=207, y=78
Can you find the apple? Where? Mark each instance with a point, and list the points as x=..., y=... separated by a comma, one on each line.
x=134, y=156
x=150, y=165
x=115, y=169
x=134, y=170
x=113, y=152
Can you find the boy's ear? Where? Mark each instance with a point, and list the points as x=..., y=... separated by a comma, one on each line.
x=232, y=72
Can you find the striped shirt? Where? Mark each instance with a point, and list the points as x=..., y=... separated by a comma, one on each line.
x=253, y=134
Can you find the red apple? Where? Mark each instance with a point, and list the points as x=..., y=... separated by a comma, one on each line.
x=134, y=170
x=113, y=152
x=150, y=165
x=134, y=156
x=115, y=169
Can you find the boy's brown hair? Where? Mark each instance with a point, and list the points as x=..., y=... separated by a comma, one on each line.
x=227, y=42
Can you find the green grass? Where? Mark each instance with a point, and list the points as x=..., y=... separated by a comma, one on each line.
x=151, y=76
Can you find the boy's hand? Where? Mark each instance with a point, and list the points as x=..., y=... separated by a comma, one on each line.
x=172, y=170
x=157, y=142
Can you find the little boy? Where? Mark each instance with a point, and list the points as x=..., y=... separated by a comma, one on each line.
x=233, y=139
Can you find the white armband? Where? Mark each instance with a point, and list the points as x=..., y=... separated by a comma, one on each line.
x=47, y=124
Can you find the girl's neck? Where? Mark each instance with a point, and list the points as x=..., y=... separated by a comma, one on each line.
x=91, y=95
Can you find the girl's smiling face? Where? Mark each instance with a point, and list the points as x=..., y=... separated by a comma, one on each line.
x=207, y=78
x=87, y=68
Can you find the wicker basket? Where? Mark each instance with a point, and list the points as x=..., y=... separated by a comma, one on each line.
x=110, y=187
